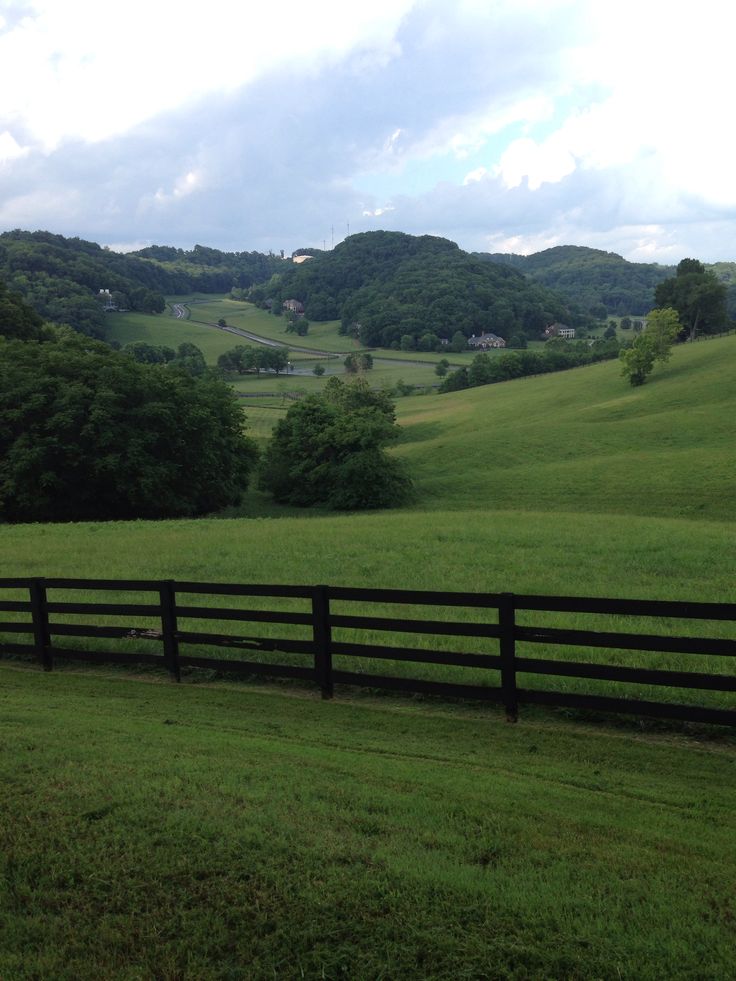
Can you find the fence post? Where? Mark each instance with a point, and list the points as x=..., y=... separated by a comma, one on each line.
x=167, y=596
x=507, y=625
x=40, y=614
x=322, y=636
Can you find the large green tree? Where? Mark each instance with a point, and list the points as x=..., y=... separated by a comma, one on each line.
x=329, y=449
x=651, y=346
x=89, y=433
x=698, y=297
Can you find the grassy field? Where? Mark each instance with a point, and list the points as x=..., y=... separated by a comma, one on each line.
x=166, y=330
x=151, y=830
x=223, y=830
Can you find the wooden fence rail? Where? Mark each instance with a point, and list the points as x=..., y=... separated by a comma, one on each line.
x=49, y=624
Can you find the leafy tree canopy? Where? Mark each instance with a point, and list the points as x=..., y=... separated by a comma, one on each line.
x=653, y=345
x=697, y=295
x=244, y=359
x=329, y=449
x=18, y=319
x=603, y=284
x=87, y=433
x=391, y=288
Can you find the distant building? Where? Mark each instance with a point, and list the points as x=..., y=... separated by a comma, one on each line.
x=559, y=330
x=301, y=258
x=105, y=297
x=485, y=341
x=294, y=306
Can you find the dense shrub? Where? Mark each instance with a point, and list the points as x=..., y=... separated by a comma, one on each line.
x=89, y=433
x=329, y=450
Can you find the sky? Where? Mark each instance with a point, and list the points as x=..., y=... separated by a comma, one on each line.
x=504, y=125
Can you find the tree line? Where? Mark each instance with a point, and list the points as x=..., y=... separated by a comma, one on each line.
x=557, y=355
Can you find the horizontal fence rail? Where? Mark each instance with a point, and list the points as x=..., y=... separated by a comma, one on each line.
x=42, y=616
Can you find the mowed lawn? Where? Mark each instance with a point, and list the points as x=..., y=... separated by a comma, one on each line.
x=151, y=830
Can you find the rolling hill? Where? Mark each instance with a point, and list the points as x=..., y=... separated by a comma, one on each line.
x=601, y=283
x=385, y=286
x=584, y=441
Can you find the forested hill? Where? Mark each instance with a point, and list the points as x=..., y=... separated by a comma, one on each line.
x=602, y=283
x=385, y=286
x=61, y=277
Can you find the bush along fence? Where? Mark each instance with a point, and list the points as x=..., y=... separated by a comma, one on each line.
x=330, y=638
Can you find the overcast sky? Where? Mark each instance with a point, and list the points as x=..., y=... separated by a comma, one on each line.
x=504, y=125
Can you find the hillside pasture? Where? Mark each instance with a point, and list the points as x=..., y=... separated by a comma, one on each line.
x=584, y=441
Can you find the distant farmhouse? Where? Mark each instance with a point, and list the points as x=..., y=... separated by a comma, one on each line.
x=485, y=341
x=559, y=330
x=294, y=306
x=105, y=297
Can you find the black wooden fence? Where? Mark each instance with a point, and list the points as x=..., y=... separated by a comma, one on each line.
x=50, y=626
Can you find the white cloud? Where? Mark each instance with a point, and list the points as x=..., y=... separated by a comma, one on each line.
x=537, y=163
x=475, y=175
x=10, y=149
x=511, y=125
x=91, y=69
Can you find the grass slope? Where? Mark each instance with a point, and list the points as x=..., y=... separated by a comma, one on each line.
x=584, y=441
x=154, y=830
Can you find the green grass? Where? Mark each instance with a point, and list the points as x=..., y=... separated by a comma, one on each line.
x=150, y=830
x=223, y=830
x=166, y=330
x=489, y=551
x=584, y=441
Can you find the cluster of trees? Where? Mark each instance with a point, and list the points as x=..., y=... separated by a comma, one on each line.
x=557, y=355
x=356, y=363
x=330, y=450
x=390, y=289
x=187, y=356
x=697, y=295
x=89, y=433
x=602, y=284
x=243, y=360
x=297, y=325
